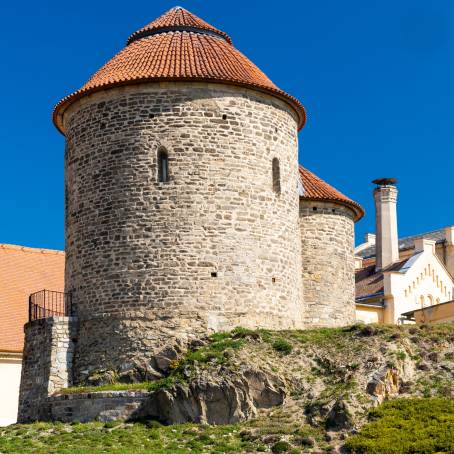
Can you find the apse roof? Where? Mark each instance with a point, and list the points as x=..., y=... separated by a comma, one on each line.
x=314, y=188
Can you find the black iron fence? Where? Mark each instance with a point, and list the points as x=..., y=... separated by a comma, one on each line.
x=47, y=303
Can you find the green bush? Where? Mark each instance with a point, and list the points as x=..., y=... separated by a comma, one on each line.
x=280, y=447
x=281, y=345
x=407, y=426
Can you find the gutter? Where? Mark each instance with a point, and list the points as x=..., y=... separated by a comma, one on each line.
x=380, y=305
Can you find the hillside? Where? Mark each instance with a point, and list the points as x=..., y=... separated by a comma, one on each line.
x=290, y=391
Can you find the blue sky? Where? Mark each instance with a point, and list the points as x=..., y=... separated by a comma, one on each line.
x=376, y=79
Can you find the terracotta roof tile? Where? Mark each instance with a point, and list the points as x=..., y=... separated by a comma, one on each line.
x=177, y=17
x=181, y=48
x=370, y=282
x=23, y=271
x=314, y=188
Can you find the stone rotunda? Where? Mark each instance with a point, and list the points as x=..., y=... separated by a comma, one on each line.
x=186, y=210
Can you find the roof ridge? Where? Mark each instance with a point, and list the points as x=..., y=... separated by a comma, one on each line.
x=31, y=250
x=417, y=235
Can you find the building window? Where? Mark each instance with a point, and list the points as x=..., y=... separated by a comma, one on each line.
x=163, y=166
x=422, y=299
x=276, y=176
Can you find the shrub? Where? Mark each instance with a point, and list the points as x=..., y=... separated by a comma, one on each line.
x=281, y=345
x=405, y=426
x=280, y=447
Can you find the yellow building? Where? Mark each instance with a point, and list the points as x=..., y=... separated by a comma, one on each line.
x=439, y=313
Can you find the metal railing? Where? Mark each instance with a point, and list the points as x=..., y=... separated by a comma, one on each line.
x=48, y=303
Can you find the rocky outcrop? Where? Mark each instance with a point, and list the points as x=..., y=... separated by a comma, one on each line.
x=384, y=384
x=226, y=399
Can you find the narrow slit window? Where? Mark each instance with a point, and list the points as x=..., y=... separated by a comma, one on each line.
x=276, y=176
x=163, y=166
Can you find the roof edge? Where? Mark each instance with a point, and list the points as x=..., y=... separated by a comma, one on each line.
x=14, y=247
x=357, y=209
x=63, y=104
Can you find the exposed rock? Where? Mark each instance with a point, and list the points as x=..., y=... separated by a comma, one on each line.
x=405, y=387
x=102, y=377
x=168, y=355
x=139, y=374
x=270, y=439
x=368, y=330
x=384, y=383
x=305, y=441
x=224, y=400
x=339, y=417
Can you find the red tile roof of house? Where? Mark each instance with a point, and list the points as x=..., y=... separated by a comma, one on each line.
x=369, y=282
x=23, y=271
x=316, y=189
x=179, y=46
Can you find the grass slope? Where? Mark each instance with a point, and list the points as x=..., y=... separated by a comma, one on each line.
x=319, y=367
x=402, y=426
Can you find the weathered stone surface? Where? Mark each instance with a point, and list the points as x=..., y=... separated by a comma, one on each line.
x=100, y=406
x=222, y=400
x=339, y=416
x=384, y=383
x=46, y=366
x=213, y=248
x=328, y=268
x=226, y=400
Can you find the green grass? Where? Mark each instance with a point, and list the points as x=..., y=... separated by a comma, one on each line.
x=407, y=426
x=282, y=346
x=150, y=386
x=96, y=437
x=215, y=352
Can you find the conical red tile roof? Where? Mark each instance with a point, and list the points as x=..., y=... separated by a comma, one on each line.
x=176, y=19
x=314, y=188
x=178, y=46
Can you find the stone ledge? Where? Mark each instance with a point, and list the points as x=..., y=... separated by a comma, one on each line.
x=98, y=395
x=98, y=406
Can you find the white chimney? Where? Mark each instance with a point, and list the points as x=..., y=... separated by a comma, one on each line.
x=449, y=231
x=387, y=241
x=369, y=238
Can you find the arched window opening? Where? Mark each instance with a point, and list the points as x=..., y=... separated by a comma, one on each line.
x=163, y=166
x=422, y=300
x=276, y=176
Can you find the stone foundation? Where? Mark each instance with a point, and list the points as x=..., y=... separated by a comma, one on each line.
x=46, y=366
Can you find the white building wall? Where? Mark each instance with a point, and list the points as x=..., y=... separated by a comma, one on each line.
x=423, y=282
x=10, y=373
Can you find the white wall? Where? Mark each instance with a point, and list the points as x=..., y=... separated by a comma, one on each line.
x=9, y=391
x=424, y=283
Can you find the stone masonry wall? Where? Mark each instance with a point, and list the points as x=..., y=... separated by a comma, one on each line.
x=213, y=248
x=328, y=269
x=46, y=366
x=99, y=406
